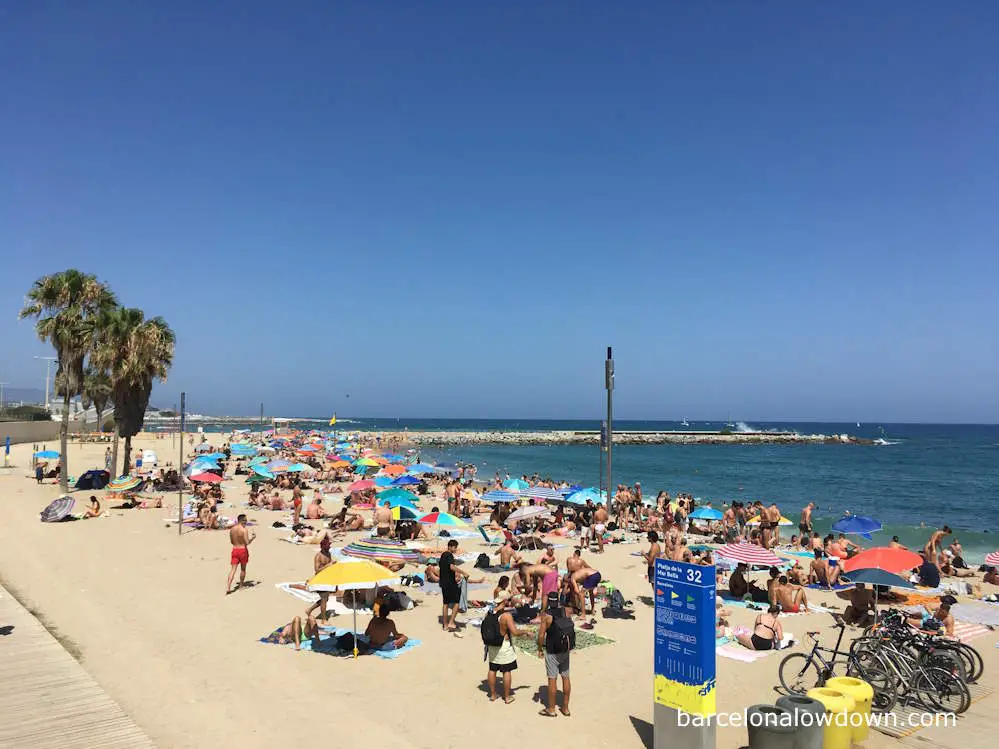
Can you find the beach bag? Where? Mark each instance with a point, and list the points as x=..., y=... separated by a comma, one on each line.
x=561, y=635
x=617, y=607
x=345, y=642
x=482, y=561
x=490, y=630
x=524, y=614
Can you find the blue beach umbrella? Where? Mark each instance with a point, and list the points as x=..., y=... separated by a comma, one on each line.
x=875, y=576
x=580, y=497
x=47, y=455
x=398, y=492
x=406, y=481
x=211, y=456
x=500, y=496
x=261, y=471
x=298, y=468
x=516, y=485
x=420, y=468
x=543, y=493
x=859, y=524
x=706, y=513
x=384, y=481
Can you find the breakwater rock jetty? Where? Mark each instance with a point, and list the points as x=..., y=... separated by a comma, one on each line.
x=629, y=438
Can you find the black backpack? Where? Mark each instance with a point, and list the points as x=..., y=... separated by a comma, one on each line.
x=490, y=629
x=482, y=562
x=561, y=634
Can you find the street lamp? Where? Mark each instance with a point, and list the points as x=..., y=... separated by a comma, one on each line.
x=48, y=375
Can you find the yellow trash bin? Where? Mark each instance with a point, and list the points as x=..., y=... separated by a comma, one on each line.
x=863, y=695
x=837, y=733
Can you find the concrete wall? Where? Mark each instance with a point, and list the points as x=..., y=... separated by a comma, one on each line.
x=34, y=431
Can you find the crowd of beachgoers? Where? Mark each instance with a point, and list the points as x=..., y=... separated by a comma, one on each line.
x=385, y=525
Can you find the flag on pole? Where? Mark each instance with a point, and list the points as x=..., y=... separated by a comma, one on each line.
x=333, y=419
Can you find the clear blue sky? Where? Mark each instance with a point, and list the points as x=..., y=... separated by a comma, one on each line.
x=771, y=210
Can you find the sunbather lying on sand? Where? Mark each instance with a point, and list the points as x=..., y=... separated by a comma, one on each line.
x=294, y=633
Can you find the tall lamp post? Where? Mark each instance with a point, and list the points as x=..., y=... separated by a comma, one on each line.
x=48, y=376
x=609, y=384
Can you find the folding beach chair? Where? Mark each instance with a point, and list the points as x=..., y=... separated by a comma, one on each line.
x=490, y=540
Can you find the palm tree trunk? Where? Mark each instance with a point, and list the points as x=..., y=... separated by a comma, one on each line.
x=127, y=462
x=63, y=443
x=114, y=452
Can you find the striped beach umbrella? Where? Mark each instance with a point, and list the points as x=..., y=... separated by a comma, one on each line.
x=992, y=559
x=124, y=483
x=542, y=492
x=750, y=554
x=381, y=550
x=500, y=496
x=57, y=509
x=405, y=512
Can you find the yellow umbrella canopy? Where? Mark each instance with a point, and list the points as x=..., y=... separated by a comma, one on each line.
x=756, y=521
x=352, y=575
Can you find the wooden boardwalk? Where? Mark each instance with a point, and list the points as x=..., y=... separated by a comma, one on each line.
x=46, y=698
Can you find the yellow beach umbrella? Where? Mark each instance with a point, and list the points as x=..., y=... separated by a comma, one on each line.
x=756, y=521
x=359, y=575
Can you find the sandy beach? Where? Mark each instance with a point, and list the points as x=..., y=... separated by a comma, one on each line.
x=145, y=611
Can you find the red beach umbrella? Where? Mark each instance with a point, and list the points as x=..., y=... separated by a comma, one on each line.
x=883, y=558
x=208, y=478
x=361, y=485
x=992, y=559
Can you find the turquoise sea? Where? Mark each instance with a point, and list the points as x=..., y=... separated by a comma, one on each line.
x=927, y=474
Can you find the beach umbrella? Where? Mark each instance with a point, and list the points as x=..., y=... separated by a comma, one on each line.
x=405, y=481
x=405, y=512
x=874, y=576
x=420, y=468
x=528, y=513
x=398, y=491
x=394, y=469
x=360, y=575
x=204, y=447
x=394, y=458
x=47, y=454
x=706, y=513
x=243, y=451
x=207, y=478
x=262, y=472
x=257, y=479
x=500, y=496
x=443, y=518
x=340, y=464
x=992, y=559
x=57, y=510
x=358, y=486
x=365, y=462
x=859, y=524
x=750, y=554
x=756, y=521
x=385, y=481
x=517, y=485
x=124, y=483
x=259, y=460
x=265, y=449
x=298, y=468
x=381, y=550
x=580, y=497
x=543, y=493
x=883, y=558
x=278, y=464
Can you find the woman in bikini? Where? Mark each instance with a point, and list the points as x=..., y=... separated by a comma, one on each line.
x=767, y=632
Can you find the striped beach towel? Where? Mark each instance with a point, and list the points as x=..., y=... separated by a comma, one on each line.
x=968, y=631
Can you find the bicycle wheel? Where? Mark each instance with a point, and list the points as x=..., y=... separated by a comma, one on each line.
x=970, y=658
x=941, y=690
x=881, y=681
x=799, y=672
x=947, y=659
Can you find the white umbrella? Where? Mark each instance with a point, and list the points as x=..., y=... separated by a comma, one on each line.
x=526, y=513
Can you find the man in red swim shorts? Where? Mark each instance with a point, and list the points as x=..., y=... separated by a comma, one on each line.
x=240, y=537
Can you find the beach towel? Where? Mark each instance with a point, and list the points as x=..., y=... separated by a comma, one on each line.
x=966, y=632
x=333, y=606
x=736, y=652
x=813, y=608
x=975, y=613
x=327, y=646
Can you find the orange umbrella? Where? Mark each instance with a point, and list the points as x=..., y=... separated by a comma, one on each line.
x=394, y=470
x=380, y=460
x=340, y=464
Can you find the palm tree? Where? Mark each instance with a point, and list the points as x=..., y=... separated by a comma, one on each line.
x=136, y=351
x=67, y=307
x=96, y=391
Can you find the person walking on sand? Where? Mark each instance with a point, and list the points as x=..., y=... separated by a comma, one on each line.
x=240, y=537
x=651, y=555
x=556, y=639
x=450, y=590
x=503, y=658
x=296, y=505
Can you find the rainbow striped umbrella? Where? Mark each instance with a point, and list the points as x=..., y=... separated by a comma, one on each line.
x=381, y=550
x=443, y=518
x=124, y=483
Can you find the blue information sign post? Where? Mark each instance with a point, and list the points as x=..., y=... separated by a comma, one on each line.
x=684, y=654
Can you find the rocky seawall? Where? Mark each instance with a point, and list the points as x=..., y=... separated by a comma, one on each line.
x=627, y=438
